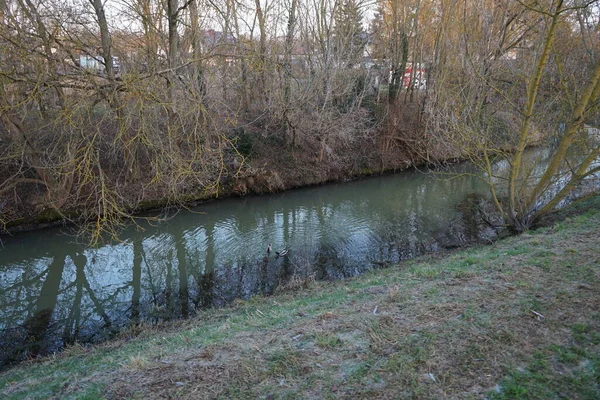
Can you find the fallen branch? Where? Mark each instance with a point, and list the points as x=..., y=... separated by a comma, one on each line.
x=538, y=315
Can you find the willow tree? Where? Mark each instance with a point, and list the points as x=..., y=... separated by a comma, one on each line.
x=510, y=86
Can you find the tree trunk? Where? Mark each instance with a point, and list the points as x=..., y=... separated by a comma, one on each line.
x=262, y=52
x=104, y=38
x=287, y=78
x=198, y=71
x=172, y=13
x=591, y=93
x=244, y=84
x=515, y=211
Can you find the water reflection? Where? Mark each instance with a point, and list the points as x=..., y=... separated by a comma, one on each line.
x=54, y=291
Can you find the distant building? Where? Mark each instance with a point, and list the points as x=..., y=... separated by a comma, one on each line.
x=418, y=74
x=211, y=39
x=96, y=63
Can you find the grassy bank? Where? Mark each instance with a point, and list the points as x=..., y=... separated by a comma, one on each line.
x=516, y=319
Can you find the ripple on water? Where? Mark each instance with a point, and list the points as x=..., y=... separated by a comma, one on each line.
x=217, y=253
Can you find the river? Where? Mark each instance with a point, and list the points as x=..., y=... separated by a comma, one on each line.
x=55, y=291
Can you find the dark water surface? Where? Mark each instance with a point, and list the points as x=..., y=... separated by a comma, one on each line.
x=54, y=291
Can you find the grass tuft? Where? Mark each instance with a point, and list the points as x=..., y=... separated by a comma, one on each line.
x=137, y=362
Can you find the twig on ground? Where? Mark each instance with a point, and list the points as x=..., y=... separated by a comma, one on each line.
x=538, y=315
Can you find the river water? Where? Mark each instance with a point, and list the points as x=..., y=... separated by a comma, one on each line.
x=55, y=291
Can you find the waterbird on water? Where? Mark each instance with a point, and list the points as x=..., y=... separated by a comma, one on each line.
x=282, y=252
x=269, y=248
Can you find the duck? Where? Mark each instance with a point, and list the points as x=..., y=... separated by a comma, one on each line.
x=282, y=252
x=269, y=248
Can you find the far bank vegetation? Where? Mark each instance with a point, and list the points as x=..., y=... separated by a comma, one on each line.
x=106, y=106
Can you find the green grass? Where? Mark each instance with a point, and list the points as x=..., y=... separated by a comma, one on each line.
x=327, y=340
x=557, y=372
x=460, y=325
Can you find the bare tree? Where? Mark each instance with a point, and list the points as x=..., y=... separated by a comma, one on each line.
x=487, y=114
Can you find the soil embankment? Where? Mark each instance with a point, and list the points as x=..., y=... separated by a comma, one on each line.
x=252, y=162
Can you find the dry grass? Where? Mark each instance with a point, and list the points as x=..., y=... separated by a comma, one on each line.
x=296, y=283
x=136, y=363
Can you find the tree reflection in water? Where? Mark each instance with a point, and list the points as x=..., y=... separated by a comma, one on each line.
x=54, y=292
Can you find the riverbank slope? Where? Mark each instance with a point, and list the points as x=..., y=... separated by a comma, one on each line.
x=516, y=319
x=252, y=162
